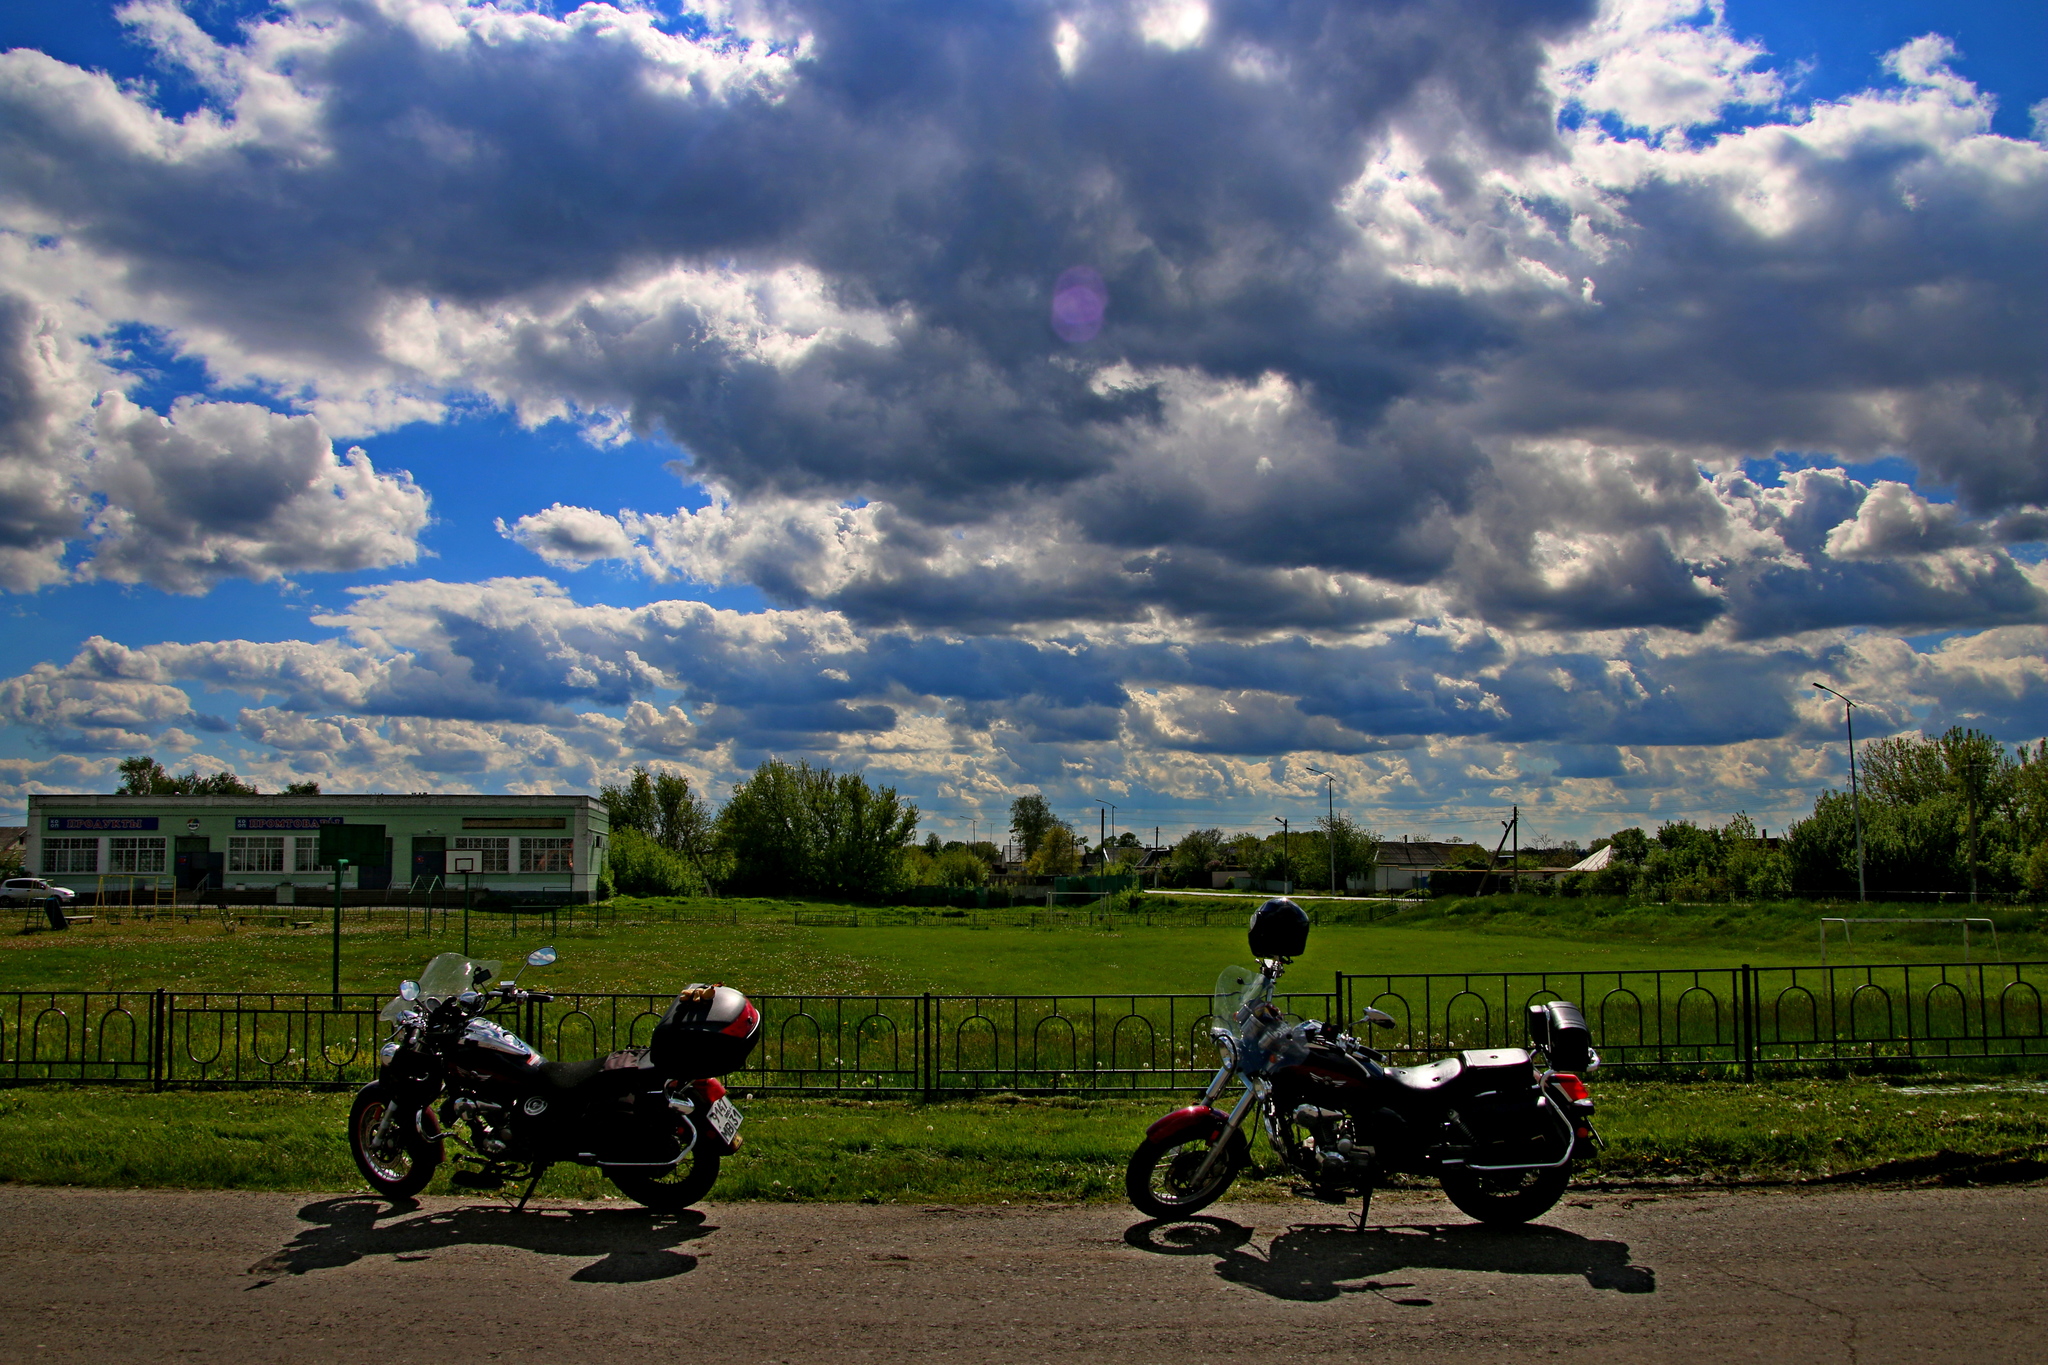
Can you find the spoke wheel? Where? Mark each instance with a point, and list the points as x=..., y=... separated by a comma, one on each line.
x=1159, y=1179
x=402, y=1163
x=1507, y=1196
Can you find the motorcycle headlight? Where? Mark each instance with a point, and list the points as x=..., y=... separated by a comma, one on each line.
x=387, y=1052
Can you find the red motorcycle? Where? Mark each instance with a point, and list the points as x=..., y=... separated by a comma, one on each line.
x=1496, y=1130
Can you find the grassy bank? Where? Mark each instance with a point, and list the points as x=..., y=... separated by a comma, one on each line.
x=1162, y=945
x=1059, y=1150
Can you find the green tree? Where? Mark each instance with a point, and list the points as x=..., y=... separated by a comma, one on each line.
x=795, y=828
x=1356, y=847
x=664, y=808
x=144, y=776
x=1059, y=852
x=1031, y=818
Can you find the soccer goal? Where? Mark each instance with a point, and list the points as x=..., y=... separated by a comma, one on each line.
x=1848, y=944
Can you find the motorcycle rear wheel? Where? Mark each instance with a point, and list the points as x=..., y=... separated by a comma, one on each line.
x=1159, y=1171
x=671, y=1191
x=405, y=1163
x=1504, y=1197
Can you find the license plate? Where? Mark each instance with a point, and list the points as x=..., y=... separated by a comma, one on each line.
x=725, y=1117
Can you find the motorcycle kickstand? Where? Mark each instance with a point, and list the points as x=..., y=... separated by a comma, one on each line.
x=1364, y=1207
x=531, y=1184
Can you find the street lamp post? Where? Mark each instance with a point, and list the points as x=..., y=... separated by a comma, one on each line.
x=1286, y=857
x=1855, y=798
x=1329, y=829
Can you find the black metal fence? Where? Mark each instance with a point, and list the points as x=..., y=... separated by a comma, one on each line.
x=900, y=1045
x=1732, y=1020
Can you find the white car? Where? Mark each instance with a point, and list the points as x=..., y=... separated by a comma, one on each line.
x=19, y=889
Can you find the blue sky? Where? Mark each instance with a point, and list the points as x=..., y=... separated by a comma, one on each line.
x=1488, y=408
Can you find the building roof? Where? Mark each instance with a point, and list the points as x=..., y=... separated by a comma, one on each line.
x=363, y=801
x=1593, y=861
x=1417, y=853
x=13, y=838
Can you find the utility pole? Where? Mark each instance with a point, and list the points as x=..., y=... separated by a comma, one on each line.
x=1103, y=819
x=1516, y=812
x=1286, y=858
x=1855, y=799
x=1329, y=829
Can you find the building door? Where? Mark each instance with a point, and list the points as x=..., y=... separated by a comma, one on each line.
x=429, y=858
x=196, y=865
x=376, y=878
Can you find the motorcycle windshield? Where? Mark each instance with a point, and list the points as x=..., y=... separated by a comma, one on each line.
x=1235, y=987
x=450, y=974
x=397, y=1009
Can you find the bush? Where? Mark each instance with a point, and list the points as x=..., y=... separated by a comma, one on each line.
x=639, y=866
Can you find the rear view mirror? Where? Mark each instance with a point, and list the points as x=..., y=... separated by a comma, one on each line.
x=1377, y=1018
x=540, y=957
x=408, y=990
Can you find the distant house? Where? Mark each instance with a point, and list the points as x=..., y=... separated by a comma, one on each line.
x=1406, y=865
x=13, y=843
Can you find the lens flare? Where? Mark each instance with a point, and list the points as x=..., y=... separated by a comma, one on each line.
x=1079, y=299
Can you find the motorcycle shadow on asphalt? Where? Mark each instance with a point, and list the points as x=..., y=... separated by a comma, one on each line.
x=1317, y=1262
x=626, y=1245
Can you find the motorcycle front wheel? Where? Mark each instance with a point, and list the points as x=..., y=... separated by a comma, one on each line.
x=1506, y=1196
x=1158, y=1179
x=404, y=1162
x=670, y=1191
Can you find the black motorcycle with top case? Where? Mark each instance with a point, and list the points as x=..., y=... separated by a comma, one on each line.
x=1498, y=1131
x=655, y=1119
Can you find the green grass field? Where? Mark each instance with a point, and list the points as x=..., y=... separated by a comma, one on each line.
x=1162, y=946
x=995, y=1150
x=1042, y=1150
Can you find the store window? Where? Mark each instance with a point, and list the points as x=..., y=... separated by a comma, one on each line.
x=491, y=855
x=545, y=855
x=255, y=853
x=69, y=857
x=306, y=854
x=143, y=856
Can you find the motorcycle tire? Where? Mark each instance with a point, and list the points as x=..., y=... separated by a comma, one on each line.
x=673, y=1191
x=1505, y=1197
x=408, y=1163
x=1158, y=1171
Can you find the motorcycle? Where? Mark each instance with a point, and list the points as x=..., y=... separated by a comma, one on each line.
x=1498, y=1132
x=655, y=1119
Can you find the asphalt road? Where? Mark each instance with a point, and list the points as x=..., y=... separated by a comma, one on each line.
x=1845, y=1275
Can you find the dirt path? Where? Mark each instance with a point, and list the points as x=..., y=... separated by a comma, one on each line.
x=1864, y=1276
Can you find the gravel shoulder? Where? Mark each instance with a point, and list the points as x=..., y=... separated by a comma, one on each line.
x=1839, y=1275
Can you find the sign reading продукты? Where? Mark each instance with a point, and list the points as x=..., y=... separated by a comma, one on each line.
x=285, y=821
x=102, y=823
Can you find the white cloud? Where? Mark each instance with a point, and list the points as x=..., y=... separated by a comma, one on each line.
x=219, y=490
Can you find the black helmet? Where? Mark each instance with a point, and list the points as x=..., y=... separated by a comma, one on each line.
x=1279, y=929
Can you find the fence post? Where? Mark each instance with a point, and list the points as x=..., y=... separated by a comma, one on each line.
x=1749, y=1043
x=159, y=1038
x=928, y=1080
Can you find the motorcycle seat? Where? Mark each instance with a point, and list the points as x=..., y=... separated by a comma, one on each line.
x=1430, y=1076
x=571, y=1075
